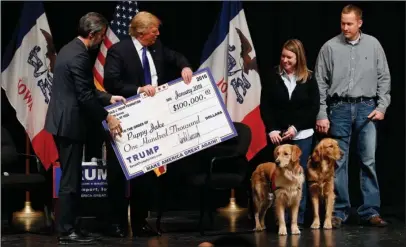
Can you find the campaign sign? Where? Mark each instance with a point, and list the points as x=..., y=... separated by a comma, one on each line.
x=94, y=180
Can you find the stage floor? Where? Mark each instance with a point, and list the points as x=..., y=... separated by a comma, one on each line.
x=181, y=231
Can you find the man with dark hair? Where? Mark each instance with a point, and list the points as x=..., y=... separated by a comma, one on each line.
x=354, y=83
x=75, y=98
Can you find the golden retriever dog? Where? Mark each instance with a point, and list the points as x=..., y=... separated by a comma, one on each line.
x=320, y=176
x=287, y=178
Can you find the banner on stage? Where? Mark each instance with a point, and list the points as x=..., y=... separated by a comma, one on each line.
x=178, y=121
x=94, y=180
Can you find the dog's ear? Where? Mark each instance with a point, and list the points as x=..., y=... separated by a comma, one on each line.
x=296, y=153
x=275, y=152
x=316, y=156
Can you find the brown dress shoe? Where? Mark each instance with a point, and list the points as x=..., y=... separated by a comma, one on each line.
x=376, y=221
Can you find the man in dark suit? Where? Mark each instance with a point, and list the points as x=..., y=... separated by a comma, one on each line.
x=74, y=98
x=134, y=66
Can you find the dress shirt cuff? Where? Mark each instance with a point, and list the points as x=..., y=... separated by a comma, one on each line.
x=381, y=108
x=322, y=113
x=273, y=131
x=294, y=129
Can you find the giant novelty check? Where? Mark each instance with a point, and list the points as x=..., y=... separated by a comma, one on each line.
x=179, y=120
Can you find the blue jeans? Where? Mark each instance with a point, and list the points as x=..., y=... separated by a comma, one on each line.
x=346, y=120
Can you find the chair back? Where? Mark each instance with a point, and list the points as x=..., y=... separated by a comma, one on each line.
x=236, y=149
x=243, y=139
x=9, y=156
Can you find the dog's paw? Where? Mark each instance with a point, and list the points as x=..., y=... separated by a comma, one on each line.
x=295, y=230
x=258, y=229
x=327, y=225
x=315, y=225
x=283, y=231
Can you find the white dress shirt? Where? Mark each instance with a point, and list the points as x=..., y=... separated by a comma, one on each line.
x=154, y=75
x=290, y=83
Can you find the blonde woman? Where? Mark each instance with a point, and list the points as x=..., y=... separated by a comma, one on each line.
x=289, y=106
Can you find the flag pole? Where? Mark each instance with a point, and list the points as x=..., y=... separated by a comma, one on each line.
x=27, y=214
x=232, y=207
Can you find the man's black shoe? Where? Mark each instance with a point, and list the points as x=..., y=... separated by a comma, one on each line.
x=75, y=238
x=145, y=231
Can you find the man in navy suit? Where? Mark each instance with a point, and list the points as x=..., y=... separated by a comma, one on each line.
x=75, y=98
x=134, y=66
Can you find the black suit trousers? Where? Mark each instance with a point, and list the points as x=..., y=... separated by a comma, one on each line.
x=145, y=192
x=116, y=189
x=70, y=158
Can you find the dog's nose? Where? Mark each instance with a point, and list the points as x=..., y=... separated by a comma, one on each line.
x=277, y=162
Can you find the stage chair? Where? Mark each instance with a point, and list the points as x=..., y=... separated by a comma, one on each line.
x=21, y=181
x=228, y=169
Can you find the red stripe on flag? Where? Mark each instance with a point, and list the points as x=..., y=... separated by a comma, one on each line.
x=258, y=141
x=107, y=42
x=44, y=146
x=101, y=58
x=98, y=77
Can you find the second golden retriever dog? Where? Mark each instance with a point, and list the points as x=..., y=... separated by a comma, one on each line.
x=320, y=176
x=287, y=176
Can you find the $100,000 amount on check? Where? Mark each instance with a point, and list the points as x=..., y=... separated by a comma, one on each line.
x=179, y=120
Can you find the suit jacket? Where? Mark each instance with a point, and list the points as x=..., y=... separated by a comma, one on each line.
x=123, y=71
x=74, y=96
x=279, y=112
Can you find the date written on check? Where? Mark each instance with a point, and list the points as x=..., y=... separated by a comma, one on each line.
x=179, y=120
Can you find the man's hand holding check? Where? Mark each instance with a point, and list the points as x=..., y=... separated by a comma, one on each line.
x=187, y=74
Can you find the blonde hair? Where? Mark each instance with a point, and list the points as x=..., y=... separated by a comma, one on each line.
x=352, y=9
x=295, y=46
x=141, y=23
